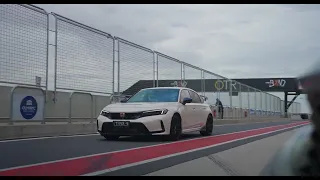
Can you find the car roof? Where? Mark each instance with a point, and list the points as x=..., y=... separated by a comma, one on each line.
x=169, y=88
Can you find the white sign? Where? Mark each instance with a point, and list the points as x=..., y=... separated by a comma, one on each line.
x=276, y=83
x=27, y=107
x=179, y=84
x=38, y=81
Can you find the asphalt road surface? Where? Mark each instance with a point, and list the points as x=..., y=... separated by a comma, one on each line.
x=27, y=152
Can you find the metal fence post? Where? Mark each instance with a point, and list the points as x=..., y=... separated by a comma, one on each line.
x=255, y=102
x=270, y=104
x=113, y=64
x=230, y=91
x=47, y=63
x=261, y=103
x=119, y=69
x=240, y=101
x=157, y=70
x=203, y=82
x=249, y=110
x=154, y=70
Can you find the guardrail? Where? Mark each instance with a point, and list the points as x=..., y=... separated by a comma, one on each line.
x=92, y=106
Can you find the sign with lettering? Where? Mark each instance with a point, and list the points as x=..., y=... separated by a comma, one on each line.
x=179, y=83
x=27, y=107
x=222, y=85
x=276, y=83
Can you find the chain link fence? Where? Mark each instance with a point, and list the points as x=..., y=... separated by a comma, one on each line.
x=193, y=75
x=169, y=68
x=84, y=57
x=136, y=67
x=215, y=88
x=23, y=45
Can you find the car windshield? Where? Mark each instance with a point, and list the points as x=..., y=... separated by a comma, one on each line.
x=156, y=95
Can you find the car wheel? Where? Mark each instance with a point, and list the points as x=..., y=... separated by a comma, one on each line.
x=175, y=128
x=111, y=137
x=209, y=127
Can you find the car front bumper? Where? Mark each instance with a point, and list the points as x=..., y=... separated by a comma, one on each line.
x=144, y=126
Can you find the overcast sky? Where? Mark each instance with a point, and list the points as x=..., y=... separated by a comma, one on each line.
x=236, y=41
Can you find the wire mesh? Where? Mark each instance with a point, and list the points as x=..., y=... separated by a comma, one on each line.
x=251, y=100
x=258, y=101
x=215, y=88
x=169, y=68
x=244, y=96
x=84, y=58
x=282, y=107
x=235, y=93
x=136, y=67
x=23, y=44
x=193, y=75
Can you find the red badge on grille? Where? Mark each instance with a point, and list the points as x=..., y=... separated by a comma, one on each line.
x=122, y=115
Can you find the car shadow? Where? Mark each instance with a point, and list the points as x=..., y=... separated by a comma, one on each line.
x=152, y=138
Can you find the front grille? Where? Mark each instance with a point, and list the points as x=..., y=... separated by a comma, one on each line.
x=133, y=129
x=126, y=116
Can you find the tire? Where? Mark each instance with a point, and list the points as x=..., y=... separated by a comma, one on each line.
x=175, y=128
x=111, y=137
x=207, y=131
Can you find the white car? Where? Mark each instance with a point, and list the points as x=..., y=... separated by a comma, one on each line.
x=167, y=111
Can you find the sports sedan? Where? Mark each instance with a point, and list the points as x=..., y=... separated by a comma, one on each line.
x=168, y=111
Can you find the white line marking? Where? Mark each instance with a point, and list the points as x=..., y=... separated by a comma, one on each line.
x=111, y=152
x=180, y=153
x=48, y=137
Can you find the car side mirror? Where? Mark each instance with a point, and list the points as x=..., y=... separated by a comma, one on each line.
x=123, y=101
x=186, y=100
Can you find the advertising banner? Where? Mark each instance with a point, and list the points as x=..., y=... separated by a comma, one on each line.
x=27, y=107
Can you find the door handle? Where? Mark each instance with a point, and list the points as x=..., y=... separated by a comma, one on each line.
x=193, y=108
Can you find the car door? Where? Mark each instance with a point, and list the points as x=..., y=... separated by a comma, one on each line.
x=198, y=111
x=185, y=110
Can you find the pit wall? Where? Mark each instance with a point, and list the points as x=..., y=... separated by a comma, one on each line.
x=59, y=119
x=244, y=113
x=82, y=107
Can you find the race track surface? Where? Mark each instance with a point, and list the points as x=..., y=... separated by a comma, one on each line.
x=31, y=151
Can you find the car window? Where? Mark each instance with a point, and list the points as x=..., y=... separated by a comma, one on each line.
x=155, y=95
x=184, y=94
x=195, y=97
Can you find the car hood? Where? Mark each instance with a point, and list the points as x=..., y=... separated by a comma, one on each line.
x=134, y=107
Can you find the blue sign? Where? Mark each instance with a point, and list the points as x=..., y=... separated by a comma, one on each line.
x=28, y=107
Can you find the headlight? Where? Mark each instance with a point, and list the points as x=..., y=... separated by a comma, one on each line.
x=154, y=112
x=105, y=113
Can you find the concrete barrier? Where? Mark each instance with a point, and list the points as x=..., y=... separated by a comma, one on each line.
x=29, y=130
x=43, y=130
